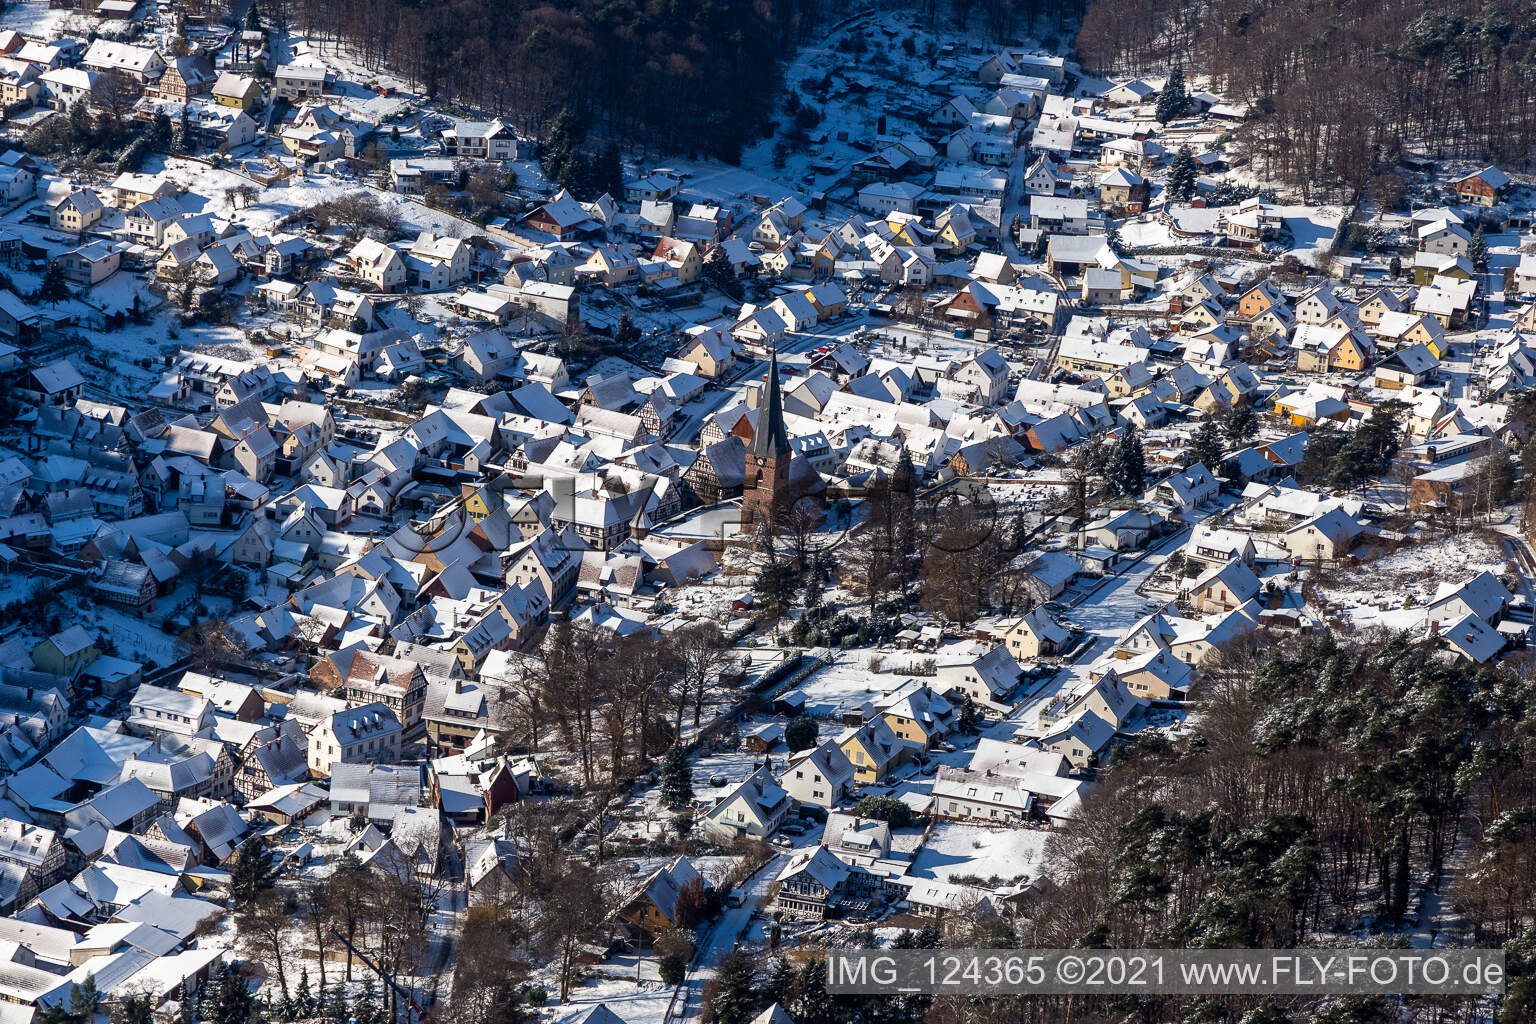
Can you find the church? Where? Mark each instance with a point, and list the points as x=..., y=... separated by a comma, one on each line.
x=765, y=483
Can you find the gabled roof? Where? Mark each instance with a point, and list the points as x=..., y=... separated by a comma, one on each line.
x=819, y=864
x=828, y=759
x=1239, y=579
x=1471, y=637
x=1483, y=594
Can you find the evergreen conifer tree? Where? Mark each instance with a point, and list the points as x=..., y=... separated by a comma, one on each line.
x=735, y=1001
x=969, y=721
x=1239, y=422
x=1206, y=447
x=1181, y=175
x=1477, y=251
x=84, y=1000
x=676, y=780
x=252, y=872
x=1172, y=100
x=1126, y=473
x=54, y=288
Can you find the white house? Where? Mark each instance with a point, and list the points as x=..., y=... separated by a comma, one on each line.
x=368, y=733
x=820, y=776
x=378, y=264
x=987, y=373
x=753, y=807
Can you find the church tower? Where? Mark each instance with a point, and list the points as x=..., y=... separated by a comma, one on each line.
x=766, y=480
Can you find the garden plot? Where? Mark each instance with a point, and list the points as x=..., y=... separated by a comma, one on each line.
x=848, y=680
x=1392, y=591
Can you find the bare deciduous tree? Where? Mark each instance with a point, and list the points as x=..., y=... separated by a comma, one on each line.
x=702, y=652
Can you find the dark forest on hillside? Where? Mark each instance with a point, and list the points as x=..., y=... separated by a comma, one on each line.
x=1343, y=86
x=680, y=73
x=675, y=75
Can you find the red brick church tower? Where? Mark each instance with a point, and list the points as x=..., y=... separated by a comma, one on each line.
x=766, y=482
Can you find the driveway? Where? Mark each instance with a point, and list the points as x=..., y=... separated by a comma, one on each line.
x=721, y=939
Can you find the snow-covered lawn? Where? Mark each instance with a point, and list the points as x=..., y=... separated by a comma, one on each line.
x=955, y=849
x=36, y=18
x=134, y=638
x=1313, y=228
x=15, y=586
x=848, y=680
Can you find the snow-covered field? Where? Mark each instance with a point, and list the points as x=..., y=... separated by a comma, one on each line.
x=975, y=851
x=37, y=18
x=297, y=193
x=1392, y=591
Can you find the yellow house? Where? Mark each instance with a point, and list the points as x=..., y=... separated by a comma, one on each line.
x=477, y=504
x=65, y=652
x=1421, y=333
x=611, y=265
x=949, y=239
x=1429, y=265
x=75, y=212
x=955, y=231
x=1350, y=353
x=1236, y=383
x=1380, y=302
x=711, y=352
x=21, y=86
x=917, y=714
x=829, y=300
x=1200, y=317
x=238, y=91
x=1130, y=381
x=1154, y=675
x=682, y=256
x=1404, y=329
x=1304, y=408
x=1034, y=635
x=906, y=229
x=874, y=750
x=1332, y=347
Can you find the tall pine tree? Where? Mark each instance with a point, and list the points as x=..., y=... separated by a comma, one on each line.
x=1172, y=100
x=55, y=288
x=608, y=171
x=560, y=159
x=735, y=995
x=1206, y=446
x=367, y=1008
x=252, y=872
x=1126, y=473
x=676, y=780
x=1239, y=422
x=84, y=1000
x=1181, y=175
x=1477, y=251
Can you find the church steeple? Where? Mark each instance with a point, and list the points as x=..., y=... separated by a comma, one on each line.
x=771, y=439
x=765, y=480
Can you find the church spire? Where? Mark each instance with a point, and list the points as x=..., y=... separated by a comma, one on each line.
x=771, y=439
